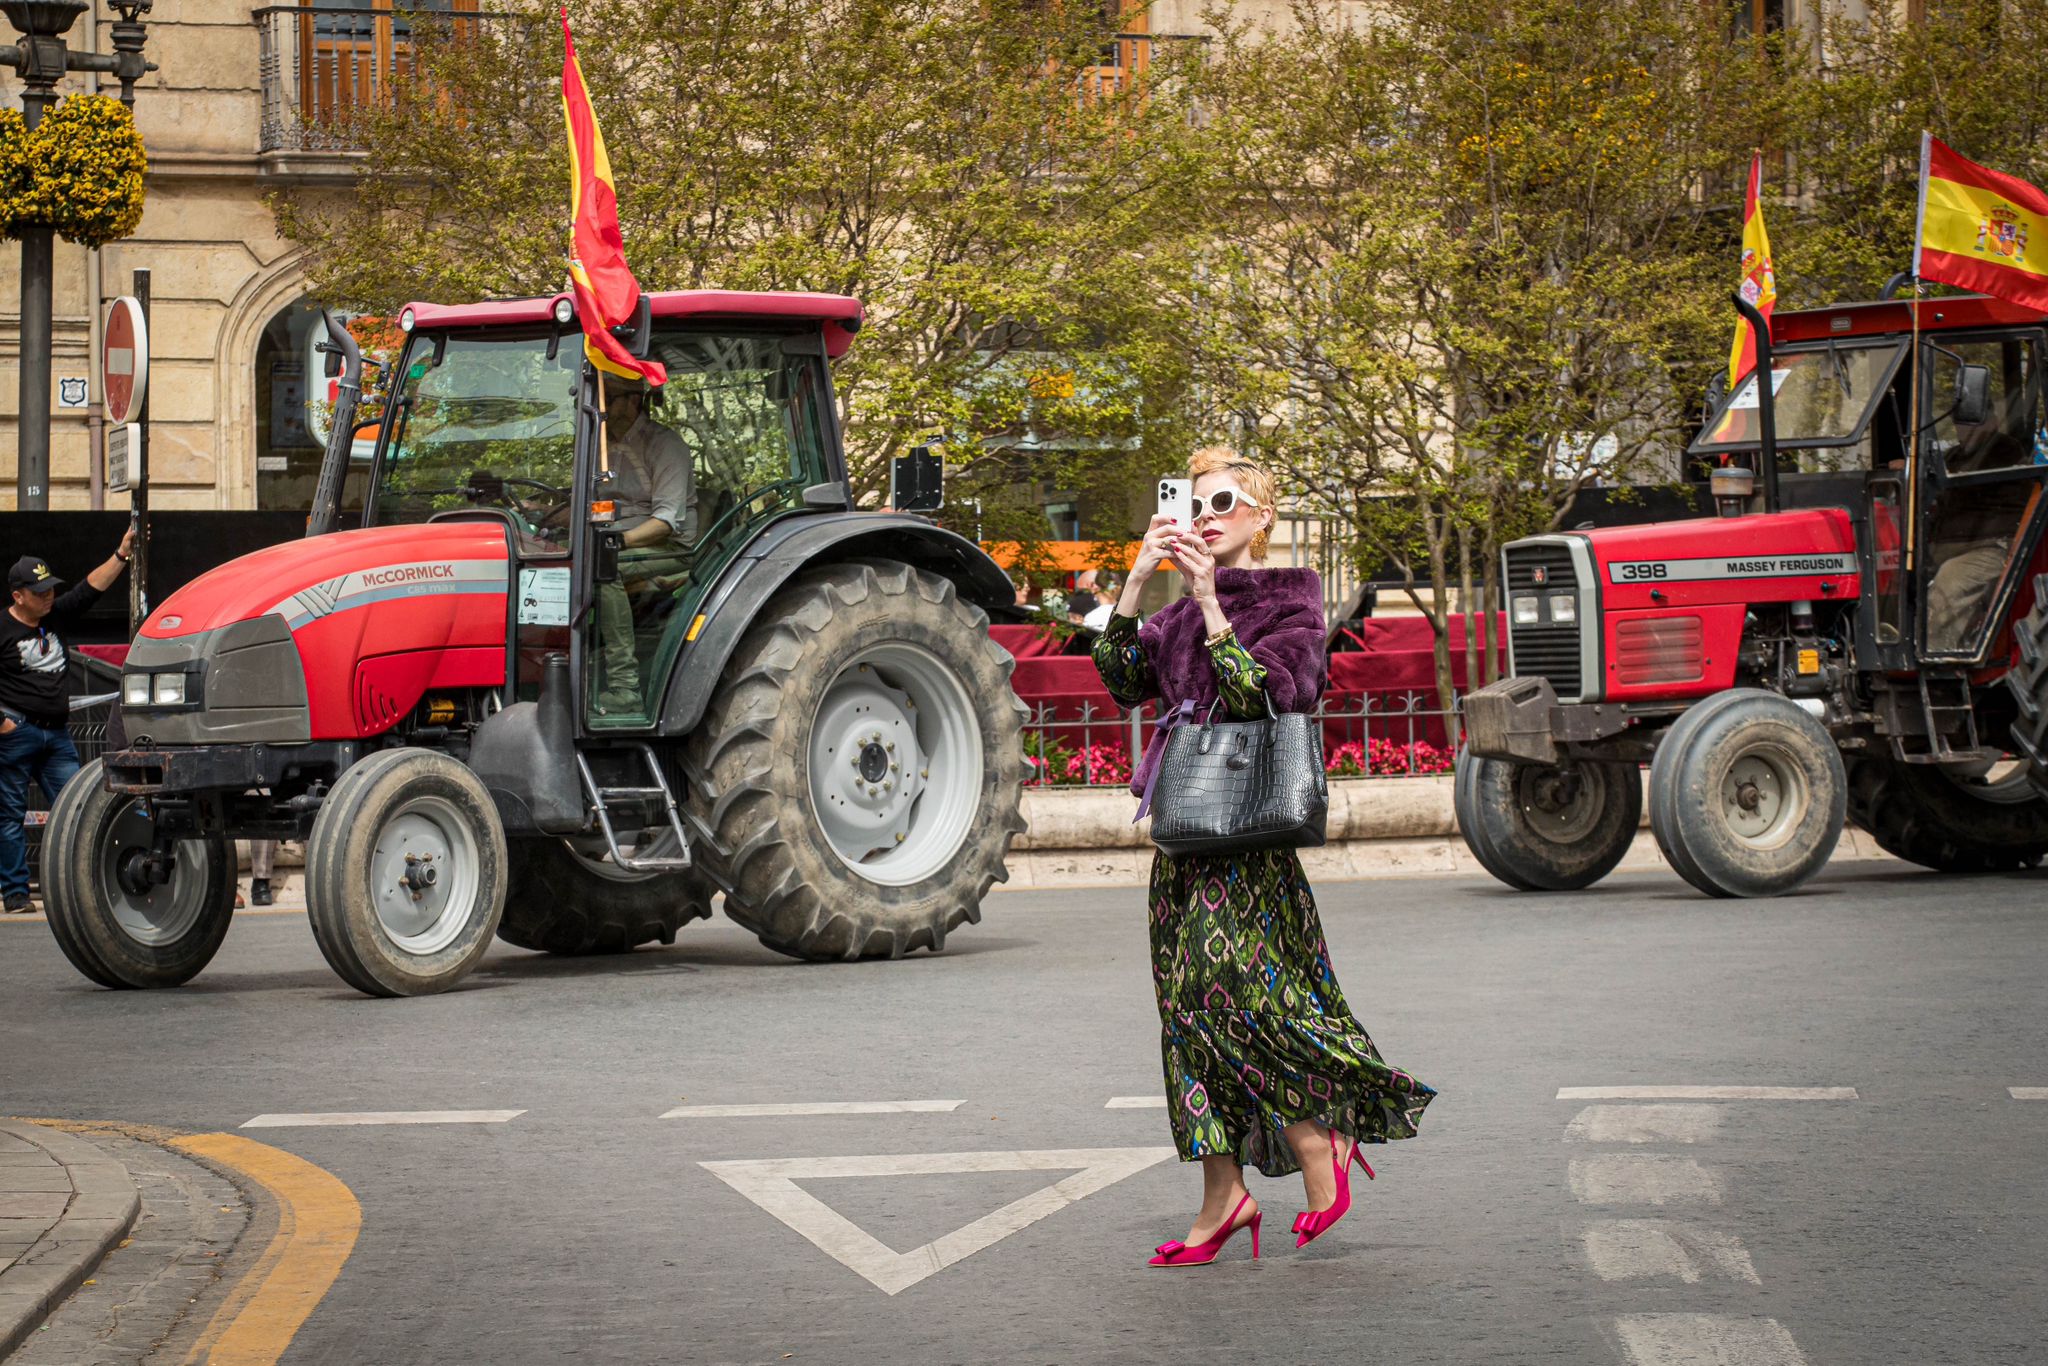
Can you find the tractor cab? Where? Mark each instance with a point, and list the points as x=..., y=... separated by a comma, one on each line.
x=623, y=502
x=1946, y=528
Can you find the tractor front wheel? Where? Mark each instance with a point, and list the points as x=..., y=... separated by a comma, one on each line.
x=568, y=898
x=1543, y=828
x=861, y=764
x=129, y=909
x=1747, y=795
x=405, y=873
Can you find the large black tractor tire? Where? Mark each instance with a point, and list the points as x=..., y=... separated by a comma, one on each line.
x=2028, y=681
x=1542, y=828
x=1947, y=821
x=558, y=900
x=1747, y=795
x=118, y=927
x=405, y=873
x=861, y=764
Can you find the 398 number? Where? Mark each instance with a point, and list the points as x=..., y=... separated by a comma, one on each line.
x=1640, y=572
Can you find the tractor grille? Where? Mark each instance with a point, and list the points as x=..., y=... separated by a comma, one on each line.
x=1544, y=570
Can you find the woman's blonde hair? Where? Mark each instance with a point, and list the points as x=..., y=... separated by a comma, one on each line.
x=1251, y=477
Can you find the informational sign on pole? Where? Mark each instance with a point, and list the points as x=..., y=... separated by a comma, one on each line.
x=124, y=447
x=124, y=359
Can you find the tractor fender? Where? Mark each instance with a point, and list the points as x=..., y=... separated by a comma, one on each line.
x=796, y=543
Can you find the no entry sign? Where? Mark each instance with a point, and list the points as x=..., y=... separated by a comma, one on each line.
x=124, y=360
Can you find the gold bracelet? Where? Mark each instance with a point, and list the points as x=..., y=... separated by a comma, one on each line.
x=1223, y=637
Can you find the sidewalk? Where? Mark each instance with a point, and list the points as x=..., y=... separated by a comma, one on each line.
x=63, y=1205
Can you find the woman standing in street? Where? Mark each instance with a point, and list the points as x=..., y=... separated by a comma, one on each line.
x=1265, y=1064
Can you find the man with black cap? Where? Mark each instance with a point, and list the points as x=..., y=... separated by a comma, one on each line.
x=35, y=698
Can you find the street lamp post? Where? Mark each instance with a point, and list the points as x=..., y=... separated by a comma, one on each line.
x=41, y=59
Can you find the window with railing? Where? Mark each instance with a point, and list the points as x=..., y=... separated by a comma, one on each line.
x=323, y=66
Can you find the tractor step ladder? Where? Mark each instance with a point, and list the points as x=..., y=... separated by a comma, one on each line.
x=1933, y=710
x=602, y=798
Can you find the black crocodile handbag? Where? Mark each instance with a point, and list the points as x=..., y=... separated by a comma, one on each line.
x=1230, y=785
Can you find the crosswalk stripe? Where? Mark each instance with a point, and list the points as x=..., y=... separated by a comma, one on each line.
x=814, y=1107
x=2027, y=1092
x=1707, y=1093
x=1135, y=1103
x=1705, y=1340
x=350, y=1117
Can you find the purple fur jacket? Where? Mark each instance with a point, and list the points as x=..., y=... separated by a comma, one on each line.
x=1278, y=617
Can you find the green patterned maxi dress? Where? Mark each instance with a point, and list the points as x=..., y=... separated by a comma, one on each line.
x=1255, y=1030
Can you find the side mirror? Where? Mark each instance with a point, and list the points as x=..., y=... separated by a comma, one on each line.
x=1973, y=395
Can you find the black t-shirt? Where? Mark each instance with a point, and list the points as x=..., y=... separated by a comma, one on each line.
x=1081, y=602
x=33, y=680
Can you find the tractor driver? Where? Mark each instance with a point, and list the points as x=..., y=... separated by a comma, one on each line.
x=653, y=488
x=1974, y=527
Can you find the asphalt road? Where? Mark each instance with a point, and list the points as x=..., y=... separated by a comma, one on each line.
x=1909, y=1224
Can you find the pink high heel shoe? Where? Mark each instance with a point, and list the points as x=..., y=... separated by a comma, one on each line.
x=1180, y=1254
x=1312, y=1224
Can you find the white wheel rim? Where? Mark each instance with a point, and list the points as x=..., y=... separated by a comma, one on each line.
x=1763, y=796
x=895, y=764
x=168, y=911
x=423, y=875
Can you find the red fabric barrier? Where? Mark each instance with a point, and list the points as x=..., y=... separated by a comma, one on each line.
x=1026, y=641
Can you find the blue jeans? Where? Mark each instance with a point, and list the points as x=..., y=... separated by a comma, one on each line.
x=28, y=753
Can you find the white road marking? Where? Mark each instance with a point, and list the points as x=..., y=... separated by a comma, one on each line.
x=815, y=1107
x=1706, y=1093
x=771, y=1184
x=1135, y=1103
x=1705, y=1340
x=1646, y=1249
x=341, y=1117
x=2027, y=1092
x=1645, y=1124
x=1644, y=1179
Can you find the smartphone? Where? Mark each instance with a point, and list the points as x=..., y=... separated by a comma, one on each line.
x=1176, y=496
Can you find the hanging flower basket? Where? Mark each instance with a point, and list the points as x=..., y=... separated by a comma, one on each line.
x=79, y=172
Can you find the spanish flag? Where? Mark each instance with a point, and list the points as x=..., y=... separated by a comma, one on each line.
x=1759, y=280
x=1980, y=229
x=606, y=292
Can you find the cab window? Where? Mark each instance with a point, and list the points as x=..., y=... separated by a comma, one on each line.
x=2012, y=432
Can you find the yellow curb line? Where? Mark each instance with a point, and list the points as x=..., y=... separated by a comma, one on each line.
x=317, y=1222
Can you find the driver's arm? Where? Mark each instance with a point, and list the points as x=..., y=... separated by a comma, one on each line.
x=669, y=480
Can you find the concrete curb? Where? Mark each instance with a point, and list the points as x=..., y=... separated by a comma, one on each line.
x=1379, y=827
x=98, y=1206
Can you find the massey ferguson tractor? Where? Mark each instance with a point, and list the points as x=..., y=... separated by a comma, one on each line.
x=1860, y=635
x=498, y=709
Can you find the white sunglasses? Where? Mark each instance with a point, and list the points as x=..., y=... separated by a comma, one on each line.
x=1221, y=503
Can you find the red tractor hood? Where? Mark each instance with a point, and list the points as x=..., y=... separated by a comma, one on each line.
x=307, y=581
x=1775, y=557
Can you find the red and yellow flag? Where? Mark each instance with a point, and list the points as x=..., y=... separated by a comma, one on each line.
x=606, y=292
x=1759, y=279
x=1980, y=229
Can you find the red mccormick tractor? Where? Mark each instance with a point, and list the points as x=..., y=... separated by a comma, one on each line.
x=507, y=706
x=1858, y=636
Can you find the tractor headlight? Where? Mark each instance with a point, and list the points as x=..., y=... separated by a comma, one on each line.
x=1564, y=610
x=1526, y=613
x=135, y=690
x=169, y=690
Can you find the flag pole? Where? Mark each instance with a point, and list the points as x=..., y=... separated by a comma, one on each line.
x=1913, y=400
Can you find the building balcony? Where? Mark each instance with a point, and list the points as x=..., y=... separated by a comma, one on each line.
x=323, y=67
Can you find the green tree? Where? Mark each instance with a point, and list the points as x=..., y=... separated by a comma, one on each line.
x=961, y=169
x=1474, y=259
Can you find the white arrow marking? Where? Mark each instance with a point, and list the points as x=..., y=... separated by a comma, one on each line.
x=1642, y=1179
x=2027, y=1092
x=348, y=1117
x=1645, y=1124
x=1135, y=1103
x=771, y=1184
x=1645, y=1249
x=814, y=1107
x=1705, y=1340
x=1706, y=1093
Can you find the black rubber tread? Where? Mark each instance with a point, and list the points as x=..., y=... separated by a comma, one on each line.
x=1663, y=768
x=748, y=766
x=338, y=905
x=1684, y=800
x=81, y=919
x=556, y=903
x=1464, y=802
x=1920, y=814
x=2028, y=682
x=1487, y=798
